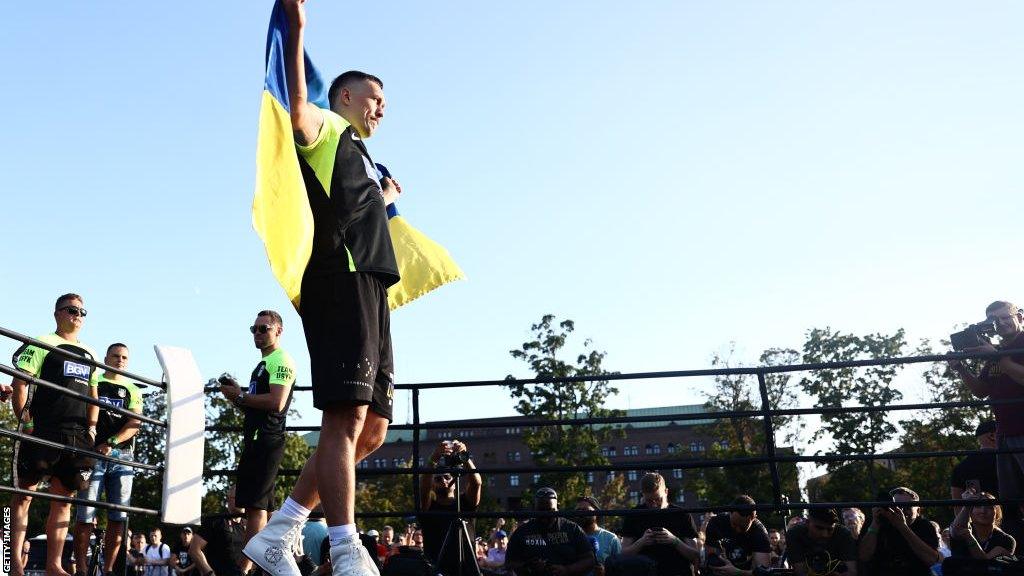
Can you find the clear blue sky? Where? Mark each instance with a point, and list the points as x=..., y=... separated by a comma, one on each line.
x=671, y=175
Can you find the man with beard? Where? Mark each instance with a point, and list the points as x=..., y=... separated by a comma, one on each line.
x=821, y=545
x=608, y=543
x=437, y=493
x=549, y=546
x=737, y=542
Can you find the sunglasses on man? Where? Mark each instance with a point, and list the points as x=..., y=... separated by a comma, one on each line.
x=261, y=328
x=73, y=310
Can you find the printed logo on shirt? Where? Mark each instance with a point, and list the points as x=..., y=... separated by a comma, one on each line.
x=371, y=173
x=116, y=402
x=283, y=373
x=76, y=370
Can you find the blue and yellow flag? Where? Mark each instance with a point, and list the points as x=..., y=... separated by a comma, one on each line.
x=280, y=210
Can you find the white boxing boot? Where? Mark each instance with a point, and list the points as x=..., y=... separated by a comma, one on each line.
x=351, y=558
x=271, y=548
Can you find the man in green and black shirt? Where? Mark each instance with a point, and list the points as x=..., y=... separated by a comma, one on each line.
x=343, y=306
x=115, y=436
x=56, y=417
x=265, y=405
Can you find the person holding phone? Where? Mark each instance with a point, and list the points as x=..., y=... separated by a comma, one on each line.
x=898, y=539
x=264, y=402
x=669, y=539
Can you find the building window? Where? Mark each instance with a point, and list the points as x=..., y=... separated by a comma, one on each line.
x=610, y=477
x=634, y=496
x=514, y=456
x=671, y=448
x=632, y=475
x=536, y=479
x=656, y=448
x=604, y=451
x=680, y=497
x=677, y=473
x=397, y=462
x=421, y=462
x=513, y=480
x=696, y=446
x=724, y=444
x=648, y=450
x=631, y=451
x=590, y=477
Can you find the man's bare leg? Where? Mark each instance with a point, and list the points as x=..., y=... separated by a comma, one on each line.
x=112, y=541
x=19, y=527
x=255, y=520
x=57, y=529
x=195, y=551
x=82, y=532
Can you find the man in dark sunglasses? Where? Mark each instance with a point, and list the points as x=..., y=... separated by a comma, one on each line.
x=264, y=402
x=51, y=415
x=737, y=542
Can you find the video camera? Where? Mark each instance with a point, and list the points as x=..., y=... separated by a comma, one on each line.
x=974, y=335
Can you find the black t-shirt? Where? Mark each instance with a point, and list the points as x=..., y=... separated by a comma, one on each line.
x=434, y=530
x=275, y=369
x=563, y=544
x=893, y=554
x=670, y=561
x=736, y=547
x=821, y=557
x=50, y=409
x=122, y=394
x=180, y=551
x=224, y=542
x=997, y=539
x=976, y=470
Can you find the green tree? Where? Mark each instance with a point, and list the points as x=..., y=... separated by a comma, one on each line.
x=385, y=493
x=858, y=432
x=938, y=430
x=564, y=445
x=736, y=438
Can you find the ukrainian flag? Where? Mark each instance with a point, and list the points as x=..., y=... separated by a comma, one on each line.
x=280, y=210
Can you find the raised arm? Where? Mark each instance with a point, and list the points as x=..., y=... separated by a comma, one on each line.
x=306, y=117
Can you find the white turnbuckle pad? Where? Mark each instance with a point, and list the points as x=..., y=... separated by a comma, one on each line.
x=186, y=429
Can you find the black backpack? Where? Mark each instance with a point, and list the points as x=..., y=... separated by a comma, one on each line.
x=409, y=561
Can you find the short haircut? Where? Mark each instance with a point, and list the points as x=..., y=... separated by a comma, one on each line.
x=115, y=345
x=65, y=298
x=1001, y=304
x=346, y=79
x=589, y=500
x=273, y=316
x=824, y=515
x=651, y=482
x=743, y=500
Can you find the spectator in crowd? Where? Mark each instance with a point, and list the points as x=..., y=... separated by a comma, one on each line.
x=136, y=556
x=158, y=555
x=416, y=541
x=737, y=542
x=821, y=545
x=793, y=521
x=181, y=562
x=944, y=540
x=494, y=563
x=481, y=549
x=1003, y=379
x=607, y=543
x=369, y=540
x=217, y=546
x=975, y=531
x=898, y=539
x=669, y=539
x=778, y=543
x=977, y=471
x=853, y=519
x=313, y=534
x=387, y=542
x=549, y=546
x=437, y=493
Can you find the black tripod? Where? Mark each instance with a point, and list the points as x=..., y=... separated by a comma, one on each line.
x=95, y=551
x=458, y=536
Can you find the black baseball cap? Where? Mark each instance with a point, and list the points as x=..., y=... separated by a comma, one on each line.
x=985, y=427
x=546, y=494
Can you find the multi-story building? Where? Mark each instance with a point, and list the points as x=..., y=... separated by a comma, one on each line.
x=645, y=446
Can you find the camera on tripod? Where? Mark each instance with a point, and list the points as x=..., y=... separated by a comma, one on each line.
x=973, y=336
x=453, y=459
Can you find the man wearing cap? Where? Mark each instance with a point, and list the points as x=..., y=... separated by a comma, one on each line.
x=898, y=539
x=977, y=471
x=437, y=493
x=551, y=545
x=736, y=541
x=667, y=538
x=607, y=544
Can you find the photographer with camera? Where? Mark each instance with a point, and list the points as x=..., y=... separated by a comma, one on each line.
x=999, y=379
x=898, y=539
x=736, y=542
x=437, y=493
x=821, y=545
